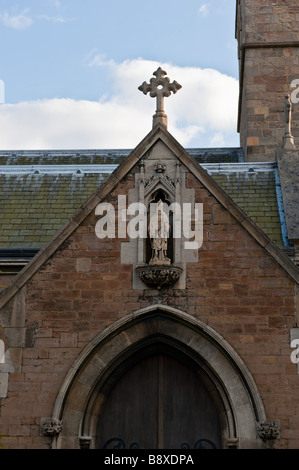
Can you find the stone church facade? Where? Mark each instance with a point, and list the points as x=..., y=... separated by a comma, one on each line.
x=171, y=342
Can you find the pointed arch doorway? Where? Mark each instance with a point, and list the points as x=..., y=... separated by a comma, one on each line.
x=163, y=401
x=158, y=378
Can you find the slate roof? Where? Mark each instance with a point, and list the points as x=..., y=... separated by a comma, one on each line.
x=34, y=206
x=40, y=191
x=256, y=189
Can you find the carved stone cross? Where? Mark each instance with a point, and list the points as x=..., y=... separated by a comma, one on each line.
x=159, y=88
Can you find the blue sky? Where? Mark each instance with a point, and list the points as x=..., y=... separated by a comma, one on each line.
x=71, y=70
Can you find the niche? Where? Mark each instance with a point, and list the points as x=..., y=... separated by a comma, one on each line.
x=159, y=198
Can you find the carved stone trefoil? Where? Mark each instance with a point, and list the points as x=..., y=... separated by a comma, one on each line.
x=269, y=430
x=51, y=427
x=159, y=276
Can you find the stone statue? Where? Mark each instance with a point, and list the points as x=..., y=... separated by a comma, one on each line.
x=159, y=232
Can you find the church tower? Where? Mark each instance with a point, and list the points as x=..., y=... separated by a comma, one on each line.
x=268, y=38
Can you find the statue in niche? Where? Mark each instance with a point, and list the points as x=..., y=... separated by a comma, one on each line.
x=159, y=228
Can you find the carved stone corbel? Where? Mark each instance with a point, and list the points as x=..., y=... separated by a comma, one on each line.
x=157, y=276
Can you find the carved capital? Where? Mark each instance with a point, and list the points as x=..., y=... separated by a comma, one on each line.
x=269, y=430
x=50, y=427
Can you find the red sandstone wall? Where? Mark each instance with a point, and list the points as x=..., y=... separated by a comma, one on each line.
x=266, y=73
x=236, y=287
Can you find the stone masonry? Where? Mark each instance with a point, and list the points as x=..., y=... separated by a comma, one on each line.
x=236, y=287
x=268, y=38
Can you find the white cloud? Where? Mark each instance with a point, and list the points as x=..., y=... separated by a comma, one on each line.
x=218, y=140
x=203, y=113
x=21, y=21
x=55, y=19
x=96, y=59
x=24, y=19
x=204, y=9
x=56, y=3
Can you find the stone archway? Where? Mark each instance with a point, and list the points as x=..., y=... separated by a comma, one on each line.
x=149, y=331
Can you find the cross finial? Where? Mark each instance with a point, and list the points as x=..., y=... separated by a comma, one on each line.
x=159, y=88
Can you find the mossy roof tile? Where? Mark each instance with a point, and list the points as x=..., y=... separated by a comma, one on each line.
x=256, y=194
x=41, y=203
x=34, y=206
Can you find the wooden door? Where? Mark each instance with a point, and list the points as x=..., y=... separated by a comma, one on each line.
x=160, y=403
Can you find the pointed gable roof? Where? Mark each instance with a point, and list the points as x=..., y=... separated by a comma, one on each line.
x=158, y=133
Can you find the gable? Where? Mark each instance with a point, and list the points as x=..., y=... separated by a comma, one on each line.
x=159, y=142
